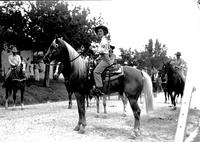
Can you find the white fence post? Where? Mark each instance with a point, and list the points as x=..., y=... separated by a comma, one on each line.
x=185, y=106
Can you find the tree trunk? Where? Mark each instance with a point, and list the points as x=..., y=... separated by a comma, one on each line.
x=1, y=68
x=46, y=76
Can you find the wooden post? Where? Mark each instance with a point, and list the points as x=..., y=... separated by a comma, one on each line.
x=185, y=106
x=46, y=75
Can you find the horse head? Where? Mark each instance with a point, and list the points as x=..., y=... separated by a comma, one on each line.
x=54, y=51
x=167, y=67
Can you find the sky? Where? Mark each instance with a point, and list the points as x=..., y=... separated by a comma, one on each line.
x=132, y=23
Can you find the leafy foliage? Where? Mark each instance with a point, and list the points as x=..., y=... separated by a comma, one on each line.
x=36, y=23
x=154, y=55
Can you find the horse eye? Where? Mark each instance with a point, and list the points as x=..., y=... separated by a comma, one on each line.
x=56, y=46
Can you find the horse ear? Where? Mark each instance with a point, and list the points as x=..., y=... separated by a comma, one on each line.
x=56, y=38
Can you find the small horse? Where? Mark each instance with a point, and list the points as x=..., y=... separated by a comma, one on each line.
x=133, y=82
x=175, y=84
x=14, y=83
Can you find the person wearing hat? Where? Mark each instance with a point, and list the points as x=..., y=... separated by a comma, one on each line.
x=180, y=66
x=102, y=48
x=14, y=60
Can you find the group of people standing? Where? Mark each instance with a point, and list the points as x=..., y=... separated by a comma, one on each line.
x=33, y=70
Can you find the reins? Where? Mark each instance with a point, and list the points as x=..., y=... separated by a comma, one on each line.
x=81, y=53
x=76, y=57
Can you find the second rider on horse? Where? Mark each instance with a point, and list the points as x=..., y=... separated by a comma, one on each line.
x=15, y=64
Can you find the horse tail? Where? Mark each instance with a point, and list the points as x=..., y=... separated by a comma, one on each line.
x=148, y=92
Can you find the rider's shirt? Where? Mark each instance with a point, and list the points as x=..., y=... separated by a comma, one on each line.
x=103, y=47
x=14, y=60
x=180, y=63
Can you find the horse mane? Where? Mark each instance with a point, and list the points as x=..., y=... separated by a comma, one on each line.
x=77, y=63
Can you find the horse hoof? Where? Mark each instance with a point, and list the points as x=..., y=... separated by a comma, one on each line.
x=124, y=114
x=70, y=107
x=104, y=115
x=6, y=106
x=82, y=130
x=135, y=133
x=22, y=106
x=77, y=128
x=97, y=115
x=133, y=136
x=14, y=107
x=173, y=108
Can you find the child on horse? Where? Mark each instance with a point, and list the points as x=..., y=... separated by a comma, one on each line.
x=102, y=48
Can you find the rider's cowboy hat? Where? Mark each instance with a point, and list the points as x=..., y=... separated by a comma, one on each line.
x=14, y=49
x=104, y=28
x=178, y=54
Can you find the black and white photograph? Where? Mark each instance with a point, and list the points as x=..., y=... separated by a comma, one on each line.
x=99, y=71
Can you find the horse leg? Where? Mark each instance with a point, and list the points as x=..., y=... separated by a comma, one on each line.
x=166, y=97
x=87, y=100
x=171, y=97
x=14, y=97
x=174, y=101
x=69, y=93
x=7, y=95
x=80, y=127
x=181, y=98
x=104, y=103
x=22, y=98
x=136, y=111
x=124, y=101
x=97, y=103
x=108, y=97
x=70, y=100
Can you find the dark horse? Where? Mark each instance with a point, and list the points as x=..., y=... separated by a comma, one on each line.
x=75, y=69
x=14, y=83
x=175, y=84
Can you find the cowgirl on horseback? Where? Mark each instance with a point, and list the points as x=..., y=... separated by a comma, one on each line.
x=103, y=49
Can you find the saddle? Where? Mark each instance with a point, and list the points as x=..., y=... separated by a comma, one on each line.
x=112, y=72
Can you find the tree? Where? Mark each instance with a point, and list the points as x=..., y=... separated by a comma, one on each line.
x=153, y=55
x=126, y=56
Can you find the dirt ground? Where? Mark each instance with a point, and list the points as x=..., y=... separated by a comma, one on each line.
x=54, y=122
